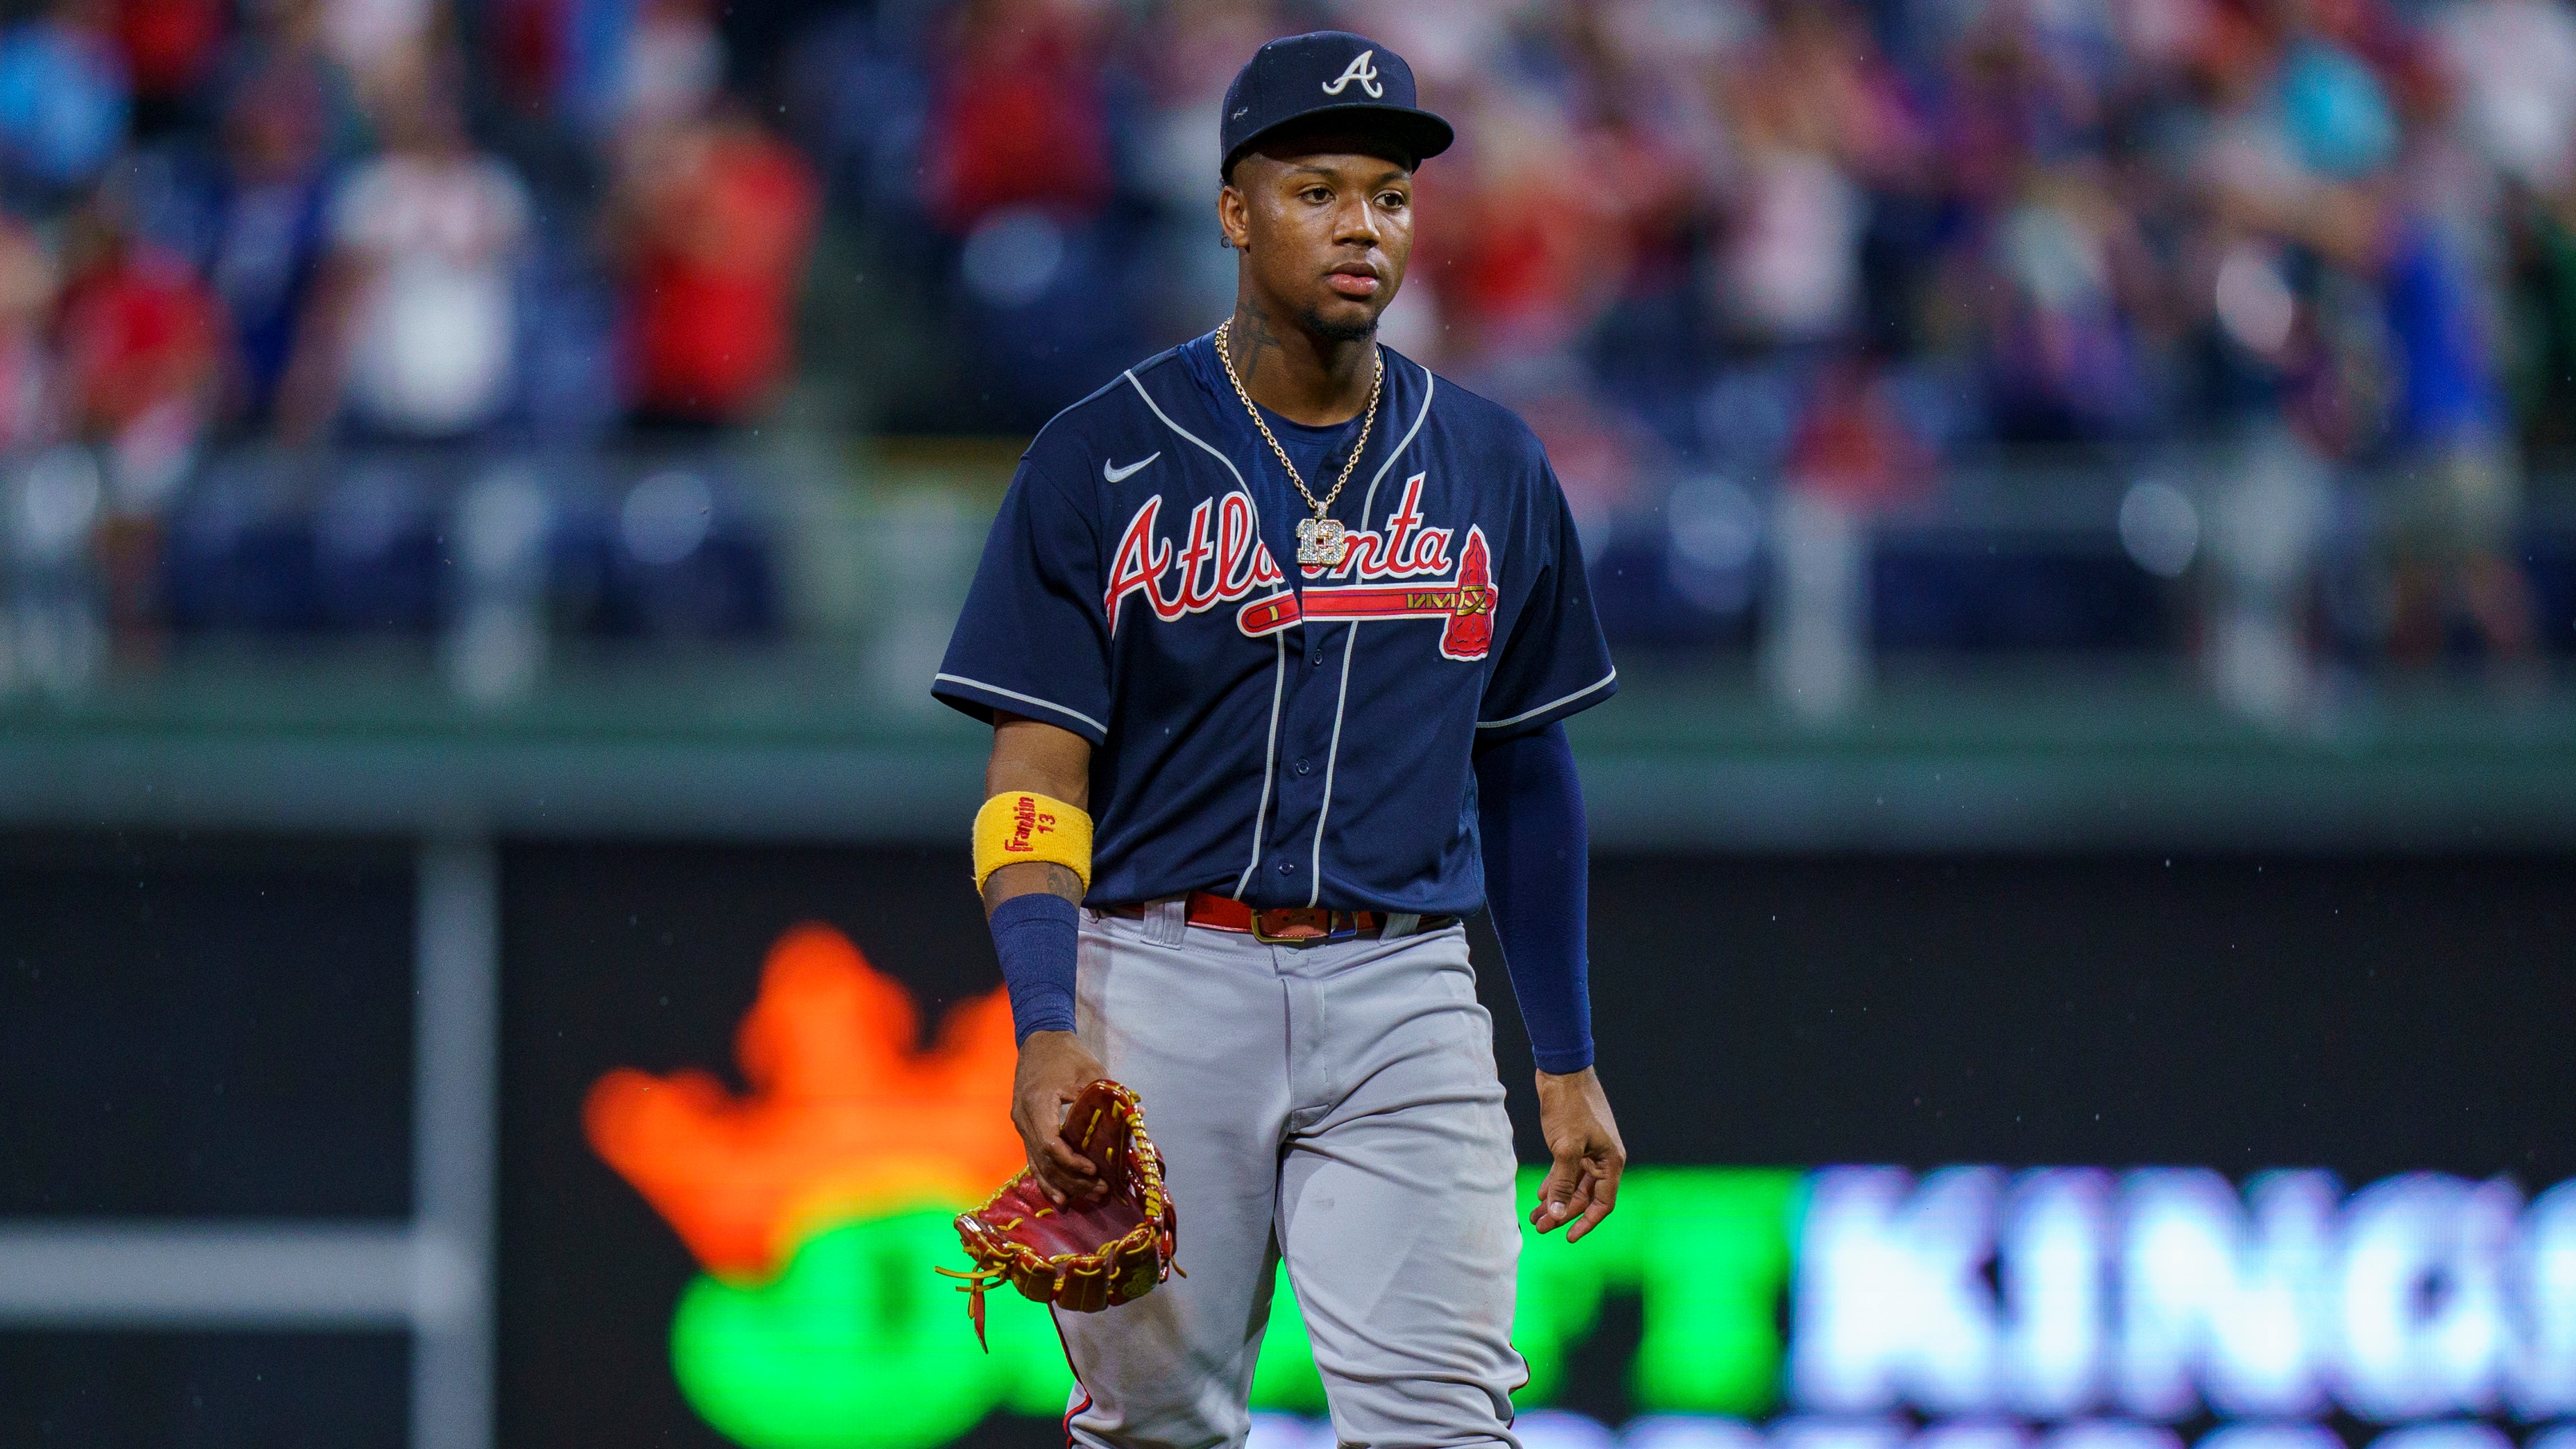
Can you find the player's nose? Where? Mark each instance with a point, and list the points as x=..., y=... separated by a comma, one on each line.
x=1356, y=221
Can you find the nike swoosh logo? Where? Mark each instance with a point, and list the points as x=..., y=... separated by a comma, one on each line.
x=1121, y=475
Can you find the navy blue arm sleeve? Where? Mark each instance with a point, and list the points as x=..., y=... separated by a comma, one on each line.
x=1035, y=936
x=1529, y=813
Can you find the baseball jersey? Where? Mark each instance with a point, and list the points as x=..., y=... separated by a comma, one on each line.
x=1289, y=736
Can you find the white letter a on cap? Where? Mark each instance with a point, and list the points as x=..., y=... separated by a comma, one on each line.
x=1358, y=70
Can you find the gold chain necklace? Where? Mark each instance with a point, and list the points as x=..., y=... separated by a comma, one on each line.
x=1320, y=540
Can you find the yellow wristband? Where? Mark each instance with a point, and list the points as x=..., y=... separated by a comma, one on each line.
x=1022, y=825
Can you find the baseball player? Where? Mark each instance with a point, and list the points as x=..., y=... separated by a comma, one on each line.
x=1276, y=633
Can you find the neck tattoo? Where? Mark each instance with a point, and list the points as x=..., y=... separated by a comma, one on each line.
x=1320, y=540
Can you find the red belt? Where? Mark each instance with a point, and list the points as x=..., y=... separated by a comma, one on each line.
x=1295, y=925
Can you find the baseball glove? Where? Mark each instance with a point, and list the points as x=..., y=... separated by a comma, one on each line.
x=1082, y=1256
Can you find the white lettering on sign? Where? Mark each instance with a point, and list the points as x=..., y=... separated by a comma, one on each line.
x=2166, y=1292
x=2222, y=1294
x=2543, y=1269
x=2422, y=1310
x=2054, y=1245
x=1892, y=1304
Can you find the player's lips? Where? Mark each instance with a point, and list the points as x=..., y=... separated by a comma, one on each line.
x=1353, y=279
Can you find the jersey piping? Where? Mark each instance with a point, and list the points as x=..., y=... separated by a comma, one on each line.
x=1279, y=678
x=1602, y=683
x=1022, y=698
x=1350, y=643
x=1269, y=752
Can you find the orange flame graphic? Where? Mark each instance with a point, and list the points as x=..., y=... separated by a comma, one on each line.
x=844, y=1118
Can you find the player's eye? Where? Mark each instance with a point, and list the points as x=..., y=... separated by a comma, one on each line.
x=1392, y=201
x=1316, y=194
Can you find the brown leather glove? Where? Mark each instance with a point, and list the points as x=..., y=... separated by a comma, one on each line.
x=1084, y=1256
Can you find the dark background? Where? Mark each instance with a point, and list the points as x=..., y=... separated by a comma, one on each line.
x=2373, y=1016
x=197, y=1027
x=205, y=1027
x=269, y=1390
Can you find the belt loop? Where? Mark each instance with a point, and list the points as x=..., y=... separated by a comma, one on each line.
x=1400, y=924
x=1167, y=920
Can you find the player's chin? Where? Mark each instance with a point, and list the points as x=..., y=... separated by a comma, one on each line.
x=1346, y=319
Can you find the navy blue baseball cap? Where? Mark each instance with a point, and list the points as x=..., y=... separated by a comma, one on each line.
x=1335, y=76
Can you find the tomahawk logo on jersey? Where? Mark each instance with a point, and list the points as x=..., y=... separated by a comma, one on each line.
x=1239, y=716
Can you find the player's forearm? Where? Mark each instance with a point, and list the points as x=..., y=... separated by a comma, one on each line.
x=1032, y=905
x=1529, y=812
x=1048, y=761
x=1028, y=755
x=1037, y=939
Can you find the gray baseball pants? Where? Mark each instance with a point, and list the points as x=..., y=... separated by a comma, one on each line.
x=1333, y=1104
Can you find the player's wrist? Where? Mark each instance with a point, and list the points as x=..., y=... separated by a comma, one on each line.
x=1056, y=1058
x=1037, y=938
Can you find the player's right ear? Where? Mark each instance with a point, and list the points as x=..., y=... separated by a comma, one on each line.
x=1233, y=218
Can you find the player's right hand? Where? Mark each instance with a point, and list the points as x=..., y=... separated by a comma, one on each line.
x=1053, y=1070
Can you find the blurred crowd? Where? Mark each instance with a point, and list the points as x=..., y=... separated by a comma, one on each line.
x=1831, y=243
x=1868, y=231
x=1716, y=250
x=302, y=221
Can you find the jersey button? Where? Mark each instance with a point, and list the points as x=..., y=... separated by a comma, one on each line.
x=1287, y=867
x=1305, y=767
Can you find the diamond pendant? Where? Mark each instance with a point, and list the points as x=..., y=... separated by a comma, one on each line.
x=1322, y=541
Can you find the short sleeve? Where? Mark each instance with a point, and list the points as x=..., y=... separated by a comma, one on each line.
x=1033, y=640
x=1555, y=663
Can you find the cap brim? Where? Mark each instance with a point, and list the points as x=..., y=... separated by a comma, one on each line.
x=1418, y=133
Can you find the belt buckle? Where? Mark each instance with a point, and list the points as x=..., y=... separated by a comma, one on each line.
x=1324, y=934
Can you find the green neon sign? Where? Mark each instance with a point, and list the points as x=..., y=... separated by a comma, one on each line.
x=857, y=1345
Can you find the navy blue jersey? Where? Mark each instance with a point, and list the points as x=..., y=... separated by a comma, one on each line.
x=1290, y=738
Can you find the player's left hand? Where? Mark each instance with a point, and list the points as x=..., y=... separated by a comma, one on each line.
x=1583, y=1185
